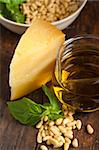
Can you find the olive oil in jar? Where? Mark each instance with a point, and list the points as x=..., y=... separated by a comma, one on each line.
x=76, y=80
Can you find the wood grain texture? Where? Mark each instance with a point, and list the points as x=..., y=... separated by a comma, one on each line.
x=13, y=135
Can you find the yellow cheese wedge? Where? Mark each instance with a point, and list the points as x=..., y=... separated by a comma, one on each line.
x=34, y=58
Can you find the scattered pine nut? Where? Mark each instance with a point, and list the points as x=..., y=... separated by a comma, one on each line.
x=90, y=129
x=75, y=143
x=46, y=127
x=53, y=141
x=46, y=138
x=59, y=132
x=39, y=124
x=47, y=133
x=62, y=129
x=39, y=138
x=78, y=124
x=46, y=118
x=69, y=134
x=67, y=140
x=71, y=124
x=65, y=121
x=74, y=127
x=48, y=142
x=43, y=147
x=55, y=130
x=43, y=133
x=66, y=146
x=60, y=144
x=57, y=137
x=41, y=128
x=59, y=121
x=51, y=123
x=68, y=128
x=51, y=133
x=71, y=118
x=60, y=138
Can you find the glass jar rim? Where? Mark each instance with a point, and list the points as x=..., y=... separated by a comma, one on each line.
x=66, y=43
x=77, y=38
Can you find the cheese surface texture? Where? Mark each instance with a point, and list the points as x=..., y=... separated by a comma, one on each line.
x=34, y=58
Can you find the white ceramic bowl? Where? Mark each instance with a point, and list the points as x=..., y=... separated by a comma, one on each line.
x=61, y=24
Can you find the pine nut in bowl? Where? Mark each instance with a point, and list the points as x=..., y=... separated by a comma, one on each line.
x=19, y=25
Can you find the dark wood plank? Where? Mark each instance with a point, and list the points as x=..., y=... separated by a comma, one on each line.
x=14, y=136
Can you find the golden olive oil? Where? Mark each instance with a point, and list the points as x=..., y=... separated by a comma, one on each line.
x=77, y=81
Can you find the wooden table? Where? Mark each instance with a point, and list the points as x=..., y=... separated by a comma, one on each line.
x=13, y=135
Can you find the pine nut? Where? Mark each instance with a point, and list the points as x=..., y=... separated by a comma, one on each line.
x=70, y=118
x=69, y=134
x=46, y=138
x=62, y=139
x=62, y=129
x=48, y=142
x=59, y=121
x=68, y=128
x=53, y=141
x=67, y=140
x=51, y=123
x=38, y=3
x=66, y=146
x=39, y=124
x=55, y=130
x=71, y=124
x=34, y=6
x=78, y=124
x=46, y=127
x=46, y=2
x=41, y=128
x=46, y=118
x=59, y=138
x=43, y=133
x=43, y=147
x=58, y=8
x=65, y=121
x=58, y=145
x=39, y=138
x=90, y=129
x=47, y=132
x=75, y=143
x=74, y=127
x=51, y=133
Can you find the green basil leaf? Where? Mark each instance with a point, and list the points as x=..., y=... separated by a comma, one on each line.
x=28, y=112
x=3, y=11
x=46, y=106
x=25, y=111
x=5, y=1
x=54, y=116
x=15, y=13
x=34, y=120
x=17, y=1
x=12, y=1
x=53, y=100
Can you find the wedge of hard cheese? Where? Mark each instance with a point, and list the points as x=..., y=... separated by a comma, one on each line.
x=34, y=58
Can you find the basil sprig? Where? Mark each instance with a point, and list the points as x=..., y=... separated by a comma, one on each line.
x=10, y=9
x=28, y=112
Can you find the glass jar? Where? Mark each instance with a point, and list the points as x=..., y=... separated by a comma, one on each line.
x=76, y=76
